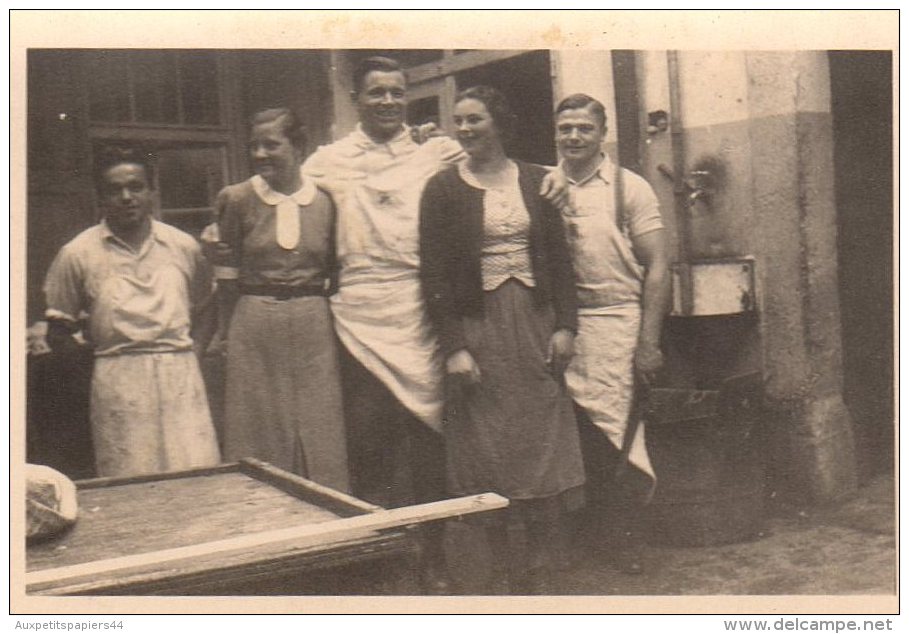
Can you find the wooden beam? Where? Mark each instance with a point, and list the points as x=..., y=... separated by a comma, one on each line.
x=323, y=496
x=301, y=537
x=456, y=63
x=110, y=481
x=160, y=133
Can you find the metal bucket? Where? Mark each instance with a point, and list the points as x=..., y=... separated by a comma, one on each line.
x=706, y=452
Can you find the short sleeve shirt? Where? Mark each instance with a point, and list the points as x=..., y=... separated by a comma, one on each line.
x=608, y=273
x=136, y=300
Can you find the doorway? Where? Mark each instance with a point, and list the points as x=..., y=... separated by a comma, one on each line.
x=862, y=105
x=526, y=82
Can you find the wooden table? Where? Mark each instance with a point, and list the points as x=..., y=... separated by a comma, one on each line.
x=239, y=529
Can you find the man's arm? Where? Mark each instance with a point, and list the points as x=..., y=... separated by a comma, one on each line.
x=315, y=164
x=226, y=260
x=227, y=294
x=564, y=293
x=555, y=189
x=450, y=151
x=203, y=310
x=652, y=251
x=64, y=301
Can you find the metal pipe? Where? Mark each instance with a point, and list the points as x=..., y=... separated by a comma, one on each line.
x=678, y=154
x=679, y=189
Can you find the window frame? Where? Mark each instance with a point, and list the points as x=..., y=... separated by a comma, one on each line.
x=157, y=135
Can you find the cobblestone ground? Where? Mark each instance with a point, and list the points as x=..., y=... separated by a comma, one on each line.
x=847, y=549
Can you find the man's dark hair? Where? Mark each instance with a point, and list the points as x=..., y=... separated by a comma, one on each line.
x=497, y=105
x=110, y=156
x=368, y=65
x=291, y=125
x=580, y=100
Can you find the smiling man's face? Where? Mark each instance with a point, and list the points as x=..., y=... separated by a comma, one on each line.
x=125, y=196
x=382, y=103
x=579, y=135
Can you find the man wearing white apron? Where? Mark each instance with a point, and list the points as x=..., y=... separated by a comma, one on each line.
x=138, y=281
x=620, y=255
x=390, y=367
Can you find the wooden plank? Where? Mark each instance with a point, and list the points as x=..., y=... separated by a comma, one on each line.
x=266, y=564
x=335, y=501
x=95, y=483
x=301, y=536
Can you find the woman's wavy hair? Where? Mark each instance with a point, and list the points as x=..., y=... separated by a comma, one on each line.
x=291, y=125
x=497, y=105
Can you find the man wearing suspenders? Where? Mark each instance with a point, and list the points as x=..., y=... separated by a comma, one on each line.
x=621, y=258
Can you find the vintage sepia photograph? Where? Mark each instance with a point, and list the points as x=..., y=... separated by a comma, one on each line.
x=420, y=313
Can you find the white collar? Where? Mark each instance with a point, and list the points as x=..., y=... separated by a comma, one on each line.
x=365, y=141
x=604, y=170
x=303, y=196
x=154, y=234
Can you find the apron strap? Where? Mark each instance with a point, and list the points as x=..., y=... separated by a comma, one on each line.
x=621, y=219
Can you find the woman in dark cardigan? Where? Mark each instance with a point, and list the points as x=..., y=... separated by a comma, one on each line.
x=499, y=288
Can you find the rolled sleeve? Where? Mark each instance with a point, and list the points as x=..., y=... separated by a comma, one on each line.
x=643, y=207
x=63, y=287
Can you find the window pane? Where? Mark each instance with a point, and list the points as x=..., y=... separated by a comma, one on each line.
x=109, y=86
x=424, y=110
x=155, y=86
x=199, y=87
x=190, y=177
x=192, y=221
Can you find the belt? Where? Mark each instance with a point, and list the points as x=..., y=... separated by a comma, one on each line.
x=280, y=291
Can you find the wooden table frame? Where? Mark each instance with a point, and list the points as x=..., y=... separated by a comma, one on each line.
x=262, y=567
x=367, y=550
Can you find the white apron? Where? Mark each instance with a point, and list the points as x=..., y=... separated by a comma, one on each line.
x=378, y=310
x=600, y=377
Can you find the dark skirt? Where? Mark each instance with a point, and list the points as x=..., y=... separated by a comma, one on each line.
x=283, y=395
x=515, y=433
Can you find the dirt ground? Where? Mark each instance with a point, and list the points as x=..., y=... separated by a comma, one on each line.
x=845, y=549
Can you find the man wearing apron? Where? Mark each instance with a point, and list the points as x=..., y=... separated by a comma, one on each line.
x=620, y=255
x=390, y=367
x=137, y=280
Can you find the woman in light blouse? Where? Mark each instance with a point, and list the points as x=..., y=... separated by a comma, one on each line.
x=499, y=289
